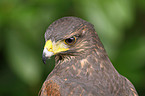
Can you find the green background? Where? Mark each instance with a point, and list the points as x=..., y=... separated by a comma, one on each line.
x=120, y=25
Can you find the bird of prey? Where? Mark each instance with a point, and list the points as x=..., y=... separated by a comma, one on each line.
x=82, y=67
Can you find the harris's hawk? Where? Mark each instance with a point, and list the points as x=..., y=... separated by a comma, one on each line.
x=82, y=67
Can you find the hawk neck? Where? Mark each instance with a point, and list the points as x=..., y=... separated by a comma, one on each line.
x=87, y=67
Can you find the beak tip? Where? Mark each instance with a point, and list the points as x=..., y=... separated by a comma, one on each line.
x=44, y=59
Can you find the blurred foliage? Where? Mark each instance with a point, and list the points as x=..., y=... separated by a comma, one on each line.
x=119, y=23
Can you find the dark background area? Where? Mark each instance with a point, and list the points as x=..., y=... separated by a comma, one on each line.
x=120, y=25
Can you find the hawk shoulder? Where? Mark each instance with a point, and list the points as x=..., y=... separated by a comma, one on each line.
x=50, y=88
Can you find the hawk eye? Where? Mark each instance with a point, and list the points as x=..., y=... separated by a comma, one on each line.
x=70, y=41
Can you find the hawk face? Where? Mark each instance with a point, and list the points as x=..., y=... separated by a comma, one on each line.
x=68, y=36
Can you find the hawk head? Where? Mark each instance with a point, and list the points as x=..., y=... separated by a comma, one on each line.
x=70, y=36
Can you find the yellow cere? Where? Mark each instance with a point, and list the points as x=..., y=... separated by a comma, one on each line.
x=56, y=47
x=48, y=45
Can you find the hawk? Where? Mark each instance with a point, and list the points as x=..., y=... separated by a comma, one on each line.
x=82, y=67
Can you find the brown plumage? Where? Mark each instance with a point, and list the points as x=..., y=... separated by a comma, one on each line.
x=84, y=69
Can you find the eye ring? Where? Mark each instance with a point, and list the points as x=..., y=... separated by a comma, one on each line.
x=70, y=41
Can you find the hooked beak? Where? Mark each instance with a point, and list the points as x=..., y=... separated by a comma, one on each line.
x=46, y=55
x=52, y=48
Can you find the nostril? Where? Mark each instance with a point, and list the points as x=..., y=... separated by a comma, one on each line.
x=49, y=49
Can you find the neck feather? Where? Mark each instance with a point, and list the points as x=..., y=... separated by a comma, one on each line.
x=92, y=66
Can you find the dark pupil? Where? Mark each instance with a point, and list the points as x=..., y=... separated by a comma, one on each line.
x=70, y=40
